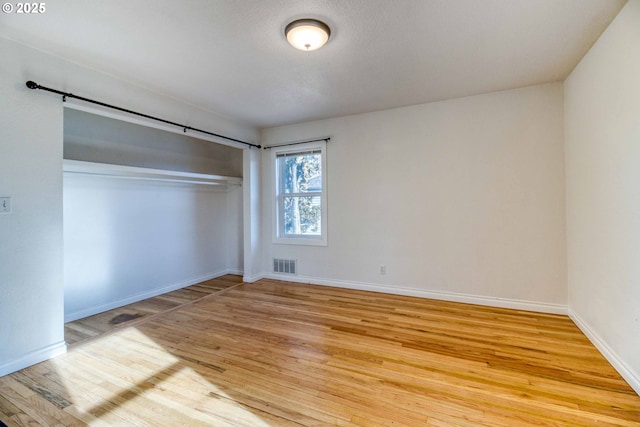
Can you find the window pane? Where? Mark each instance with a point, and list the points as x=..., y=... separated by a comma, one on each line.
x=301, y=174
x=302, y=215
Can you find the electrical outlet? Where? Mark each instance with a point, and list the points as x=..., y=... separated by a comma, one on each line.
x=383, y=269
x=5, y=205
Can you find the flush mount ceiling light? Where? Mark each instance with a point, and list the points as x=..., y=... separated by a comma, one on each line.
x=307, y=34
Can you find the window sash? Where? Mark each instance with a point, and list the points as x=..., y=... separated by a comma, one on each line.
x=310, y=227
x=282, y=187
x=280, y=233
x=299, y=153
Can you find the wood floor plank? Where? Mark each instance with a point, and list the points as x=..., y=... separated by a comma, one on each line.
x=90, y=327
x=281, y=354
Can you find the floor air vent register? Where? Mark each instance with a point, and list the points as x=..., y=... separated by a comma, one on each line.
x=286, y=266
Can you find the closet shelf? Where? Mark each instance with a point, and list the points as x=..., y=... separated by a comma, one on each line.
x=131, y=172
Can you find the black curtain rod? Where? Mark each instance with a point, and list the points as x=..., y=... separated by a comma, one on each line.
x=296, y=143
x=33, y=85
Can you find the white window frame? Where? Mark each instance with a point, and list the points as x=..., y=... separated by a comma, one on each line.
x=278, y=214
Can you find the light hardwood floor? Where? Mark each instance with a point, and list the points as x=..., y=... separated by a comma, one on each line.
x=98, y=325
x=281, y=354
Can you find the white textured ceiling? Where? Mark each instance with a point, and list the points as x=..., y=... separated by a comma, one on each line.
x=231, y=57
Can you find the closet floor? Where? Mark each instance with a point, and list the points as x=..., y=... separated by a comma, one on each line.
x=91, y=327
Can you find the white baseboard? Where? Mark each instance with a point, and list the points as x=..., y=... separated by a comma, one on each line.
x=33, y=357
x=633, y=378
x=439, y=295
x=90, y=311
x=254, y=278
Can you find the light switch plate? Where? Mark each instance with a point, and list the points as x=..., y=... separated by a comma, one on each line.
x=5, y=205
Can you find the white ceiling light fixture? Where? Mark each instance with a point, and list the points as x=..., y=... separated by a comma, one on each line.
x=307, y=34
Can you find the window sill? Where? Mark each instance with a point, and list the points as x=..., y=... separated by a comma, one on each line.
x=300, y=241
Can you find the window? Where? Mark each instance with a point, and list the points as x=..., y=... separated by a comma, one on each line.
x=300, y=184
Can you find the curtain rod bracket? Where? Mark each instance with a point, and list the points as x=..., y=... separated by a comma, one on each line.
x=33, y=85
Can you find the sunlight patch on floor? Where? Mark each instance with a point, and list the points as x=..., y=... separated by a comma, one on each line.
x=141, y=380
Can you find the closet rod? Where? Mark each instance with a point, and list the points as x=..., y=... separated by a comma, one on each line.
x=33, y=85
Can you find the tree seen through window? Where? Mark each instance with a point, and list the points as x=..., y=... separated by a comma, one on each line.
x=301, y=187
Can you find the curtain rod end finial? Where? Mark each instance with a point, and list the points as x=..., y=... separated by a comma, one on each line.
x=32, y=85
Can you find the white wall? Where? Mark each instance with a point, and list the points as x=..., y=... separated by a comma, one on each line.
x=462, y=199
x=234, y=227
x=253, y=243
x=31, y=296
x=31, y=146
x=95, y=138
x=602, y=127
x=126, y=240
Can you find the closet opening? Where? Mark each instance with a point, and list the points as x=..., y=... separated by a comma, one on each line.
x=146, y=211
